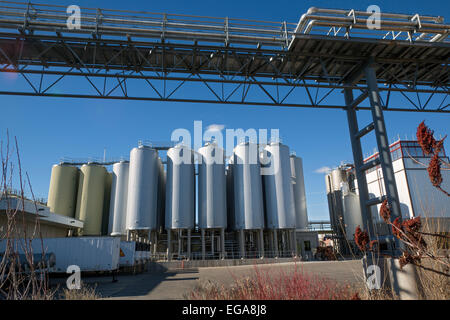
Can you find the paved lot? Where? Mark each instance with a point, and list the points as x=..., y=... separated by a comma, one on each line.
x=175, y=284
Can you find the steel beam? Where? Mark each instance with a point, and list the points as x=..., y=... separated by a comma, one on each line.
x=358, y=158
x=242, y=243
x=203, y=244
x=383, y=145
x=361, y=133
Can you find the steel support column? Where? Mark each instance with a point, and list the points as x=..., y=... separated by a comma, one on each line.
x=212, y=243
x=180, y=242
x=189, y=244
x=358, y=158
x=203, y=243
x=169, y=244
x=383, y=148
x=383, y=143
x=242, y=243
x=294, y=241
x=261, y=243
x=275, y=241
x=222, y=241
x=384, y=155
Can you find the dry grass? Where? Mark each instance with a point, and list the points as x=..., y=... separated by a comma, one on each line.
x=266, y=285
x=381, y=294
x=434, y=285
x=84, y=293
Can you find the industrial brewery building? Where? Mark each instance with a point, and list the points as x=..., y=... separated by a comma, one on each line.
x=417, y=195
x=251, y=205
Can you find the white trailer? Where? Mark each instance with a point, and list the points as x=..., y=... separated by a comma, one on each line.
x=132, y=253
x=90, y=254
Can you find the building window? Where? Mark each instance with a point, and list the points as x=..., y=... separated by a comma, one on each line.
x=307, y=245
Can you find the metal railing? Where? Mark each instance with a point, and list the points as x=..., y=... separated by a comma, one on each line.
x=16, y=193
x=161, y=256
x=92, y=160
x=393, y=26
x=50, y=18
x=128, y=24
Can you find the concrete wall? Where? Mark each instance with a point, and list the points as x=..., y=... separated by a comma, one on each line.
x=47, y=230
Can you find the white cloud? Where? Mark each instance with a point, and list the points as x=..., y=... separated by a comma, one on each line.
x=323, y=170
x=215, y=127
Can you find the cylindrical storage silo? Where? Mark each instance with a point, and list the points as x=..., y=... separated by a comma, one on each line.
x=338, y=176
x=91, y=192
x=180, y=188
x=277, y=187
x=212, y=187
x=247, y=185
x=119, y=195
x=298, y=187
x=352, y=214
x=142, y=189
x=62, y=193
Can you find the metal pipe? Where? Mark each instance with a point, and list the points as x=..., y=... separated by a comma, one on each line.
x=242, y=243
x=172, y=29
x=294, y=239
x=261, y=243
x=189, y=244
x=212, y=243
x=222, y=240
x=311, y=11
x=155, y=242
x=203, y=244
x=169, y=244
x=275, y=240
x=180, y=242
x=397, y=26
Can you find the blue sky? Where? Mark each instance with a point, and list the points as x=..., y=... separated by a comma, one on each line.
x=50, y=128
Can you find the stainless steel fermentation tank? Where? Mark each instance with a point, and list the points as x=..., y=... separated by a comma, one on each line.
x=119, y=195
x=279, y=199
x=143, y=183
x=247, y=212
x=180, y=199
x=212, y=199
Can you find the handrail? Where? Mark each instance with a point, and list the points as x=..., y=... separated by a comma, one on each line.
x=53, y=18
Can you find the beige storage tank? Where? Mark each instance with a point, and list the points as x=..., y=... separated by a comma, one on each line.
x=62, y=194
x=91, y=192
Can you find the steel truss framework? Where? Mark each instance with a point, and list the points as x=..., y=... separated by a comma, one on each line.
x=258, y=64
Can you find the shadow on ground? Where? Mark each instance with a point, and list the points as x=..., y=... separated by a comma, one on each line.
x=159, y=283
